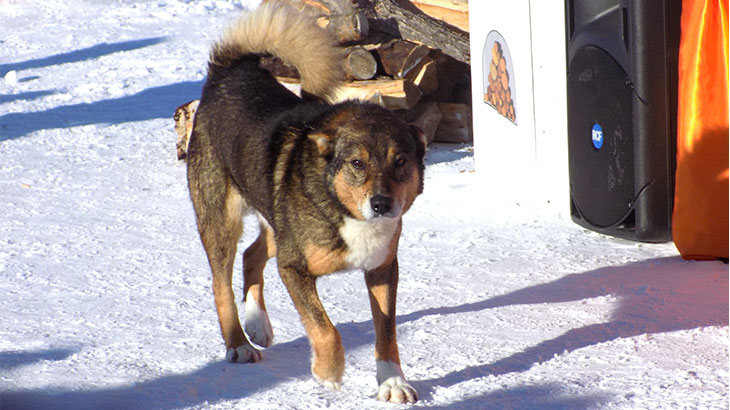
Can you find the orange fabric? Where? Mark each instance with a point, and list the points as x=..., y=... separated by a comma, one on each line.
x=700, y=220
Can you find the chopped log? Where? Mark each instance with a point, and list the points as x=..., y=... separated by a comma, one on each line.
x=183, y=117
x=347, y=28
x=321, y=7
x=461, y=6
x=455, y=126
x=291, y=84
x=392, y=94
x=335, y=7
x=401, y=19
x=425, y=76
x=340, y=17
x=399, y=57
x=361, y=94
x=426, y=116
x=454, y=12
x=454, y=80
x=360, y=64
x=387, y=19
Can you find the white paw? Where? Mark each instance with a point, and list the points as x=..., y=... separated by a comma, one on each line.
x=397, y=390
x=243, y=354
x=257, y=324
x=331, y=385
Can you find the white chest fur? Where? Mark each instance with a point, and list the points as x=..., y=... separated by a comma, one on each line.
x=368, y=242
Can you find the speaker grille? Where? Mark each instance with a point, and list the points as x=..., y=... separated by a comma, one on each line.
x=601, y=140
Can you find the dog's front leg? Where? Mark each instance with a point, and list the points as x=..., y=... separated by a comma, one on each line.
x=382, y=288
x=328, y=355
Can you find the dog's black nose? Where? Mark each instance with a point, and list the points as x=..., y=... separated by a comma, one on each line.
x=381, y=204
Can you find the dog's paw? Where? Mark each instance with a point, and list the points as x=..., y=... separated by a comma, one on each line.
x=332, y=385
x=397, y=390
x=257, y=324
x=243, y=354
x=328, y=367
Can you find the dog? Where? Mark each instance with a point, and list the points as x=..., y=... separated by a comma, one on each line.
x=329, y=183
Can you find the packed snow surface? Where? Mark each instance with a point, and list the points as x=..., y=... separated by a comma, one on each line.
x=106, y=299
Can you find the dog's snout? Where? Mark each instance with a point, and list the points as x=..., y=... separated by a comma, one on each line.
x=381, y=204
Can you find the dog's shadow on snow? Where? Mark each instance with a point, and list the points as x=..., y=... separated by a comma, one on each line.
x=654, y=296
x=217, y=381
x=659, y=295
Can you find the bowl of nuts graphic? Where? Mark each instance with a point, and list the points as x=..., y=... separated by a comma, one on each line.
x=499, y=78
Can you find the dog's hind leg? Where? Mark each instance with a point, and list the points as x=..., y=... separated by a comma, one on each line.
x=256, y=320
x=219, y=210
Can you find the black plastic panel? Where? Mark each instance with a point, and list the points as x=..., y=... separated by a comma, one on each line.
x=621, y=77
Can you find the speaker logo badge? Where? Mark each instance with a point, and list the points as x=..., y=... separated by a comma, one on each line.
x=499, y=77
x=597, y=136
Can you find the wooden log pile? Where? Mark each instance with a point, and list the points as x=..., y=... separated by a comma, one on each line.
x=412, y=57
x=454, y=12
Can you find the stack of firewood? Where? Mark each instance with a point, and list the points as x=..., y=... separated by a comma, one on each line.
x=410, y=56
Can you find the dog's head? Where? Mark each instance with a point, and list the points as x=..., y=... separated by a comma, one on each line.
x=374, y=160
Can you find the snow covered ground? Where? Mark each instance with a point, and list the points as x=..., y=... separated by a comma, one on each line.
x=105, y=293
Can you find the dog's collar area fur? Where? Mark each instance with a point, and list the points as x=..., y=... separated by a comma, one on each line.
x=368, y=242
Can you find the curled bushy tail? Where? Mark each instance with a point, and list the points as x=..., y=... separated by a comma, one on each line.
x=280, y=30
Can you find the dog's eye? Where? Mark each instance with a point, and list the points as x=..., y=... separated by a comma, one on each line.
x=400, y=162
x=358, y=164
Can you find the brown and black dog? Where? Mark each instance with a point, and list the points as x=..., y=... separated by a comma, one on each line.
x=329, y=183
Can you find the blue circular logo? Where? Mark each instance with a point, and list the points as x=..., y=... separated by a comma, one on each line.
x=597, y=136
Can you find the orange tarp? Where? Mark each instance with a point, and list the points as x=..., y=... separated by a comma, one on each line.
x=700, y=220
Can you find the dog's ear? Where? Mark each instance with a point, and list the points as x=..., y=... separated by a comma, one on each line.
x=324, y=142
x=420, y=136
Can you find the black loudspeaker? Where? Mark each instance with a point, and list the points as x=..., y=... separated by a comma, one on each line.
x=622, y=102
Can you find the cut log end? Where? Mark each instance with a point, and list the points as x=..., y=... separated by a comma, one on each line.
x=360, y=64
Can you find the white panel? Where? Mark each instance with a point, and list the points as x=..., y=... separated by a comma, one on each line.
x=524, y=160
